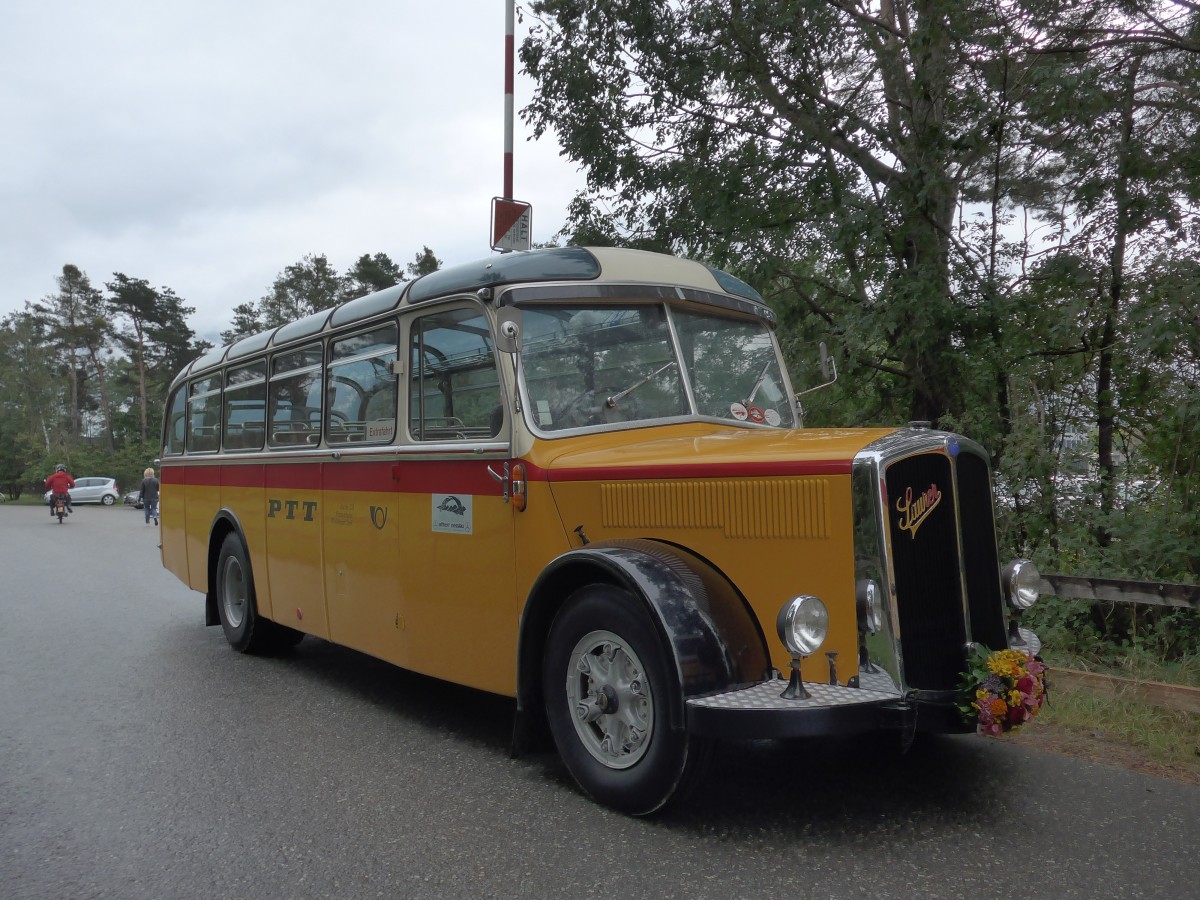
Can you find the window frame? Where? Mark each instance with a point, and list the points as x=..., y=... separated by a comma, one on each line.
x=193, y=394
x=332, y=363
x=414, y=374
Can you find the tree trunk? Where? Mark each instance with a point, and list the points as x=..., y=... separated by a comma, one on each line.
x=141, y=369
x=927, y=198
x=1106, y=413
x=105, y=408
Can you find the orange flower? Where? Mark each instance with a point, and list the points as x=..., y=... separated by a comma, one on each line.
x=998, y=707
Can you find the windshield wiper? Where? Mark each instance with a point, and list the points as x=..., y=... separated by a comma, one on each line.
x=611, y=402
x=762, y=376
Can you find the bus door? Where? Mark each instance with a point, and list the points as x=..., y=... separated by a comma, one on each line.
x=364, y=554
x=292, y=491
x=457, y=532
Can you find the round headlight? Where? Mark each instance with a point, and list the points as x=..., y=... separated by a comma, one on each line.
x=870, y=606
x=803, y=624
x=1022, y=583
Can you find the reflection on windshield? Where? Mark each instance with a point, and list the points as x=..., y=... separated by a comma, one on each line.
x=605, y=365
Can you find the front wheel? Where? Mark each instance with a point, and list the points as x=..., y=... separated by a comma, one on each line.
x=607, y=685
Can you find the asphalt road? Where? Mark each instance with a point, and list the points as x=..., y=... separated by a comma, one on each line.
x=141, y=758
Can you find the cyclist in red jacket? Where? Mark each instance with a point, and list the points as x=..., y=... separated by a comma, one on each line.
x=60, y=483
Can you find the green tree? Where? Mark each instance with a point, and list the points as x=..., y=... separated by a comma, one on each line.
x=32, y=394
x=154, y=333
x=301, y=289
x=1127, y=162
x=372, y=273
x=80, y=329
x=247, y=320
x=825, y=149
x=424, y=263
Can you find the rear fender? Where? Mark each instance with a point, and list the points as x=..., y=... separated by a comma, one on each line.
x=224, y=523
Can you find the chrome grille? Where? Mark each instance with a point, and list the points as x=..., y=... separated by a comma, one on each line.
x=926, y=569
x=933, y=517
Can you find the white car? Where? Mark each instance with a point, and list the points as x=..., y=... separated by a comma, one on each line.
x=92, y=490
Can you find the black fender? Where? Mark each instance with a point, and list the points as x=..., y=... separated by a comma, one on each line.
x=224, y=522
x=713, y=637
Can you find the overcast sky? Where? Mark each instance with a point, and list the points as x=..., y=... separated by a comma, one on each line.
x=204, y=146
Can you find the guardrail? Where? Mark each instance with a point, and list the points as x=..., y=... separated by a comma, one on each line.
x=1122, y=590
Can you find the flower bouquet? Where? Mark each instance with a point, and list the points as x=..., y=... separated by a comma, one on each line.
x=1002, y=690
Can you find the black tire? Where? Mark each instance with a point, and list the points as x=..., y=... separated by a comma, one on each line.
x=607, y=683
x=108, y=499
x=245, y=629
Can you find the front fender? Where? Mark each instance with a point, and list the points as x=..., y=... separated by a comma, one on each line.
x=706, y=625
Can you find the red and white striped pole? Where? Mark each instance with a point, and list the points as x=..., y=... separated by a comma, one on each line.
x=508, y=98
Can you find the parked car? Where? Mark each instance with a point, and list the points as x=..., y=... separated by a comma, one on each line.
x=134, y=499
x=92, y=489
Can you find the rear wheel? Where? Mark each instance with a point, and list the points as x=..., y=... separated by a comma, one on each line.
x=607, y=685
x=246, y=631
x=108, y=499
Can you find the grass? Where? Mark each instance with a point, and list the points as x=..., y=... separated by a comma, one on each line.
x=1122, y=732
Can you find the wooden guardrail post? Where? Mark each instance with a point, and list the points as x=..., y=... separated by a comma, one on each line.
x=1154, y=693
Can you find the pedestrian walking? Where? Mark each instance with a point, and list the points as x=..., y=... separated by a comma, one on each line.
x=149, y=496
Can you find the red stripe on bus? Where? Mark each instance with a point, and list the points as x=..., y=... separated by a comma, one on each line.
x=467, y=476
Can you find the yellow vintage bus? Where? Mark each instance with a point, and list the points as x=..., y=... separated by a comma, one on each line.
x=578, y=477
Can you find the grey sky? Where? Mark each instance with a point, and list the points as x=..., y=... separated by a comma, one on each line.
x=204, y=146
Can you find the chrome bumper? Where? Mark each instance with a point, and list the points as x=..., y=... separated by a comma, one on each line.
x=758, y=711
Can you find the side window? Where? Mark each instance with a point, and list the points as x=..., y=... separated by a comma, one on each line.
x=174, y=427
x=362, y=388
x=454, y=389
x=294, y=398
x=246, y=407
x=204, y=415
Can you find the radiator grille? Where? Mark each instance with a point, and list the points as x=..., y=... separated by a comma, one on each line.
x=923, y=531
x=985, y=600
x=789, y=508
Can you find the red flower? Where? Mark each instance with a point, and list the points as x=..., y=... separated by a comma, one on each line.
x=1016, y=716
x=1026, y=685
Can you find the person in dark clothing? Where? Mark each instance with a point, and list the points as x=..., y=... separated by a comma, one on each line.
x=59, y=484
x=149, y=496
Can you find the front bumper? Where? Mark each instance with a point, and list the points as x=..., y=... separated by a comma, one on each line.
x=758, y=711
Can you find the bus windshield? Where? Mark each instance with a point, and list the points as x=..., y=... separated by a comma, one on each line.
x=604, y=365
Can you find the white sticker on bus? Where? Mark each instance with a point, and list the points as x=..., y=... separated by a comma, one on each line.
x=452, y=513
x=380, y=429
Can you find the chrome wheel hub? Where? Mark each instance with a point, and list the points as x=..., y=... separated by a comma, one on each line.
x=233, y=592
x=609, y=695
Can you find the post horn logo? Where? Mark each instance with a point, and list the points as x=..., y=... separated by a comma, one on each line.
x=914, y=511
x=379, y=516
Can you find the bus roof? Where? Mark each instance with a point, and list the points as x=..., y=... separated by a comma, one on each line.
x=596, y=265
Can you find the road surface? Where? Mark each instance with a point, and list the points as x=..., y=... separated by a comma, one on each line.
x=141, y=758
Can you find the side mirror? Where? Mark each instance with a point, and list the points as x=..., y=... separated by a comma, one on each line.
x=828, y=366
x=508, y=329
x=828, y=371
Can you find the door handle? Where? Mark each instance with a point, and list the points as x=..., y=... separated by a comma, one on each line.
x=501, y=478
